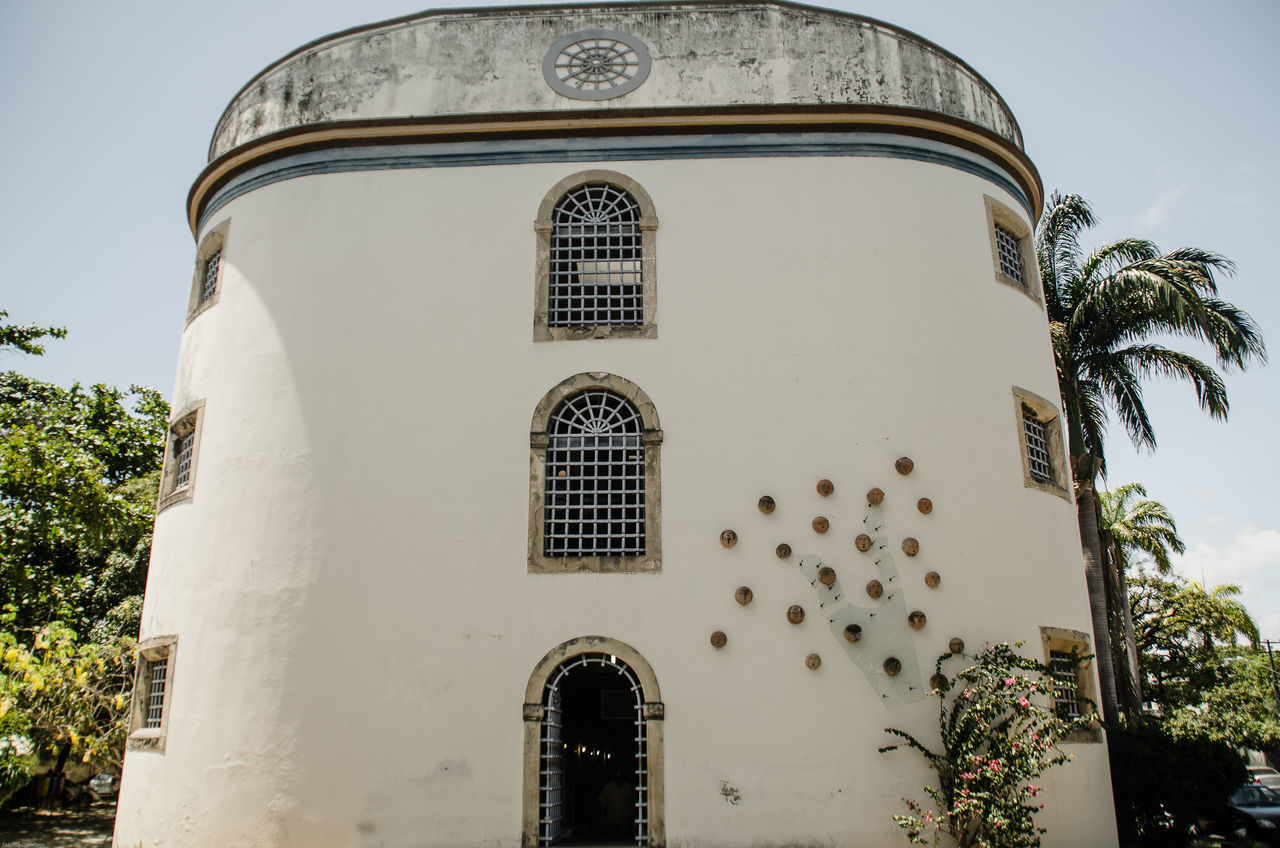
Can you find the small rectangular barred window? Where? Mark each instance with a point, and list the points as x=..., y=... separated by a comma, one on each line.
x=182, y=447
x=1062, y=670
x=1037, y=448
x=210, y=282
x=1010, y=257
x=155, y=692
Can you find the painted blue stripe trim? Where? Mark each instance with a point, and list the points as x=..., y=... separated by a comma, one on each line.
x=610, y=149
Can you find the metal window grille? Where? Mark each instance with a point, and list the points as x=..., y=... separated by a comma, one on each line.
x=1062, y=670
x=210, y=284
x=182, y=447
x=593, y=64
x=1037, y=448
x=155, y=691
x=1010, y=258
x=595, y=478
x=551, y=788
x=596, y=248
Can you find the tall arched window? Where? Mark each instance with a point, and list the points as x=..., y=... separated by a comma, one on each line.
x=595, y=259
x=596, y=265
x=595, y=478
x=595, y=503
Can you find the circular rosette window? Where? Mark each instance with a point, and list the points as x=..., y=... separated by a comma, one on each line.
x=596, y=64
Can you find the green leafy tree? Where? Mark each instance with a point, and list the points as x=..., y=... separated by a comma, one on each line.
x=1107, y=311
x=79, y=473
x=998, y=736
x=1166, y=782
x=26, y=339
x=1204, y=670
x=73, y=696
x=17, y=753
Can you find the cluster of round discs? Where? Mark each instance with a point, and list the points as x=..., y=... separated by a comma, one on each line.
x=827, y=575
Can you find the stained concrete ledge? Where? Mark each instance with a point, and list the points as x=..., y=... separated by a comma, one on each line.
x=714, y=54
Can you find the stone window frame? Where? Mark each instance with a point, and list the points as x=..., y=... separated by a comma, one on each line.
x=1048, y=415
x=190, y=421
x=150, y=650
x=542, y=226
x=654, y=716
x=1076, y=642
x=215, y=241
x=999, y=213
x=539, y=441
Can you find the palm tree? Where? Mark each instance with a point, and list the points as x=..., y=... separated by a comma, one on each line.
x=1104, y=310
x=1139, y=526
x=1133, y=525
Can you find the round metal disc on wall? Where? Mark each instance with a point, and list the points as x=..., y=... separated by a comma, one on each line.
x=783, y=551
x=795, y=613
x=596, y=64
x=718, y=639
x=812, y=661
x=766, y=504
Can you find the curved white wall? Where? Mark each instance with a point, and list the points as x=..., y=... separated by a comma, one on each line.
x=349, y=584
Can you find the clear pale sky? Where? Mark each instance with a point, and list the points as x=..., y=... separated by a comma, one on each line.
x=1164, y=114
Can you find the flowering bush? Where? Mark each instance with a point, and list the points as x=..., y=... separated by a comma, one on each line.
x=999, y=734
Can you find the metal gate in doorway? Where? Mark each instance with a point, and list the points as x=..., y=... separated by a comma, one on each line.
x=552, y=788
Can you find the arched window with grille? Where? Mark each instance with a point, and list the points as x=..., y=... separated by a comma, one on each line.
x=596, y=234
x=595, y=499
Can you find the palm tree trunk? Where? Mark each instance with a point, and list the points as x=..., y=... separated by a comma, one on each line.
x=1087, y=506
x=1130, y=702
x=1130, y=644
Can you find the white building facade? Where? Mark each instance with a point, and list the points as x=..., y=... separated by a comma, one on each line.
x=539, y=361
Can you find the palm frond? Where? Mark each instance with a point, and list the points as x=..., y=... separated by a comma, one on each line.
x=1137, y=524
x=1232, y=333
x=1124, y=390
x=1105, y=261
x=1058, y=240
x=1159, y=361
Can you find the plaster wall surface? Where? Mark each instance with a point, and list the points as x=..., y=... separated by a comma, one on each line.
x=349, y=584
x=469, y=63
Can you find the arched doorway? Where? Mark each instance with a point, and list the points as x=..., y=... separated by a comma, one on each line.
x=593, y=748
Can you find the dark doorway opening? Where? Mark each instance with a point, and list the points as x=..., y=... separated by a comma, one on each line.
x=602, y=739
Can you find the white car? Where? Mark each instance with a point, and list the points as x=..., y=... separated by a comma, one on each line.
x=1265, y=775
x=106, y=785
